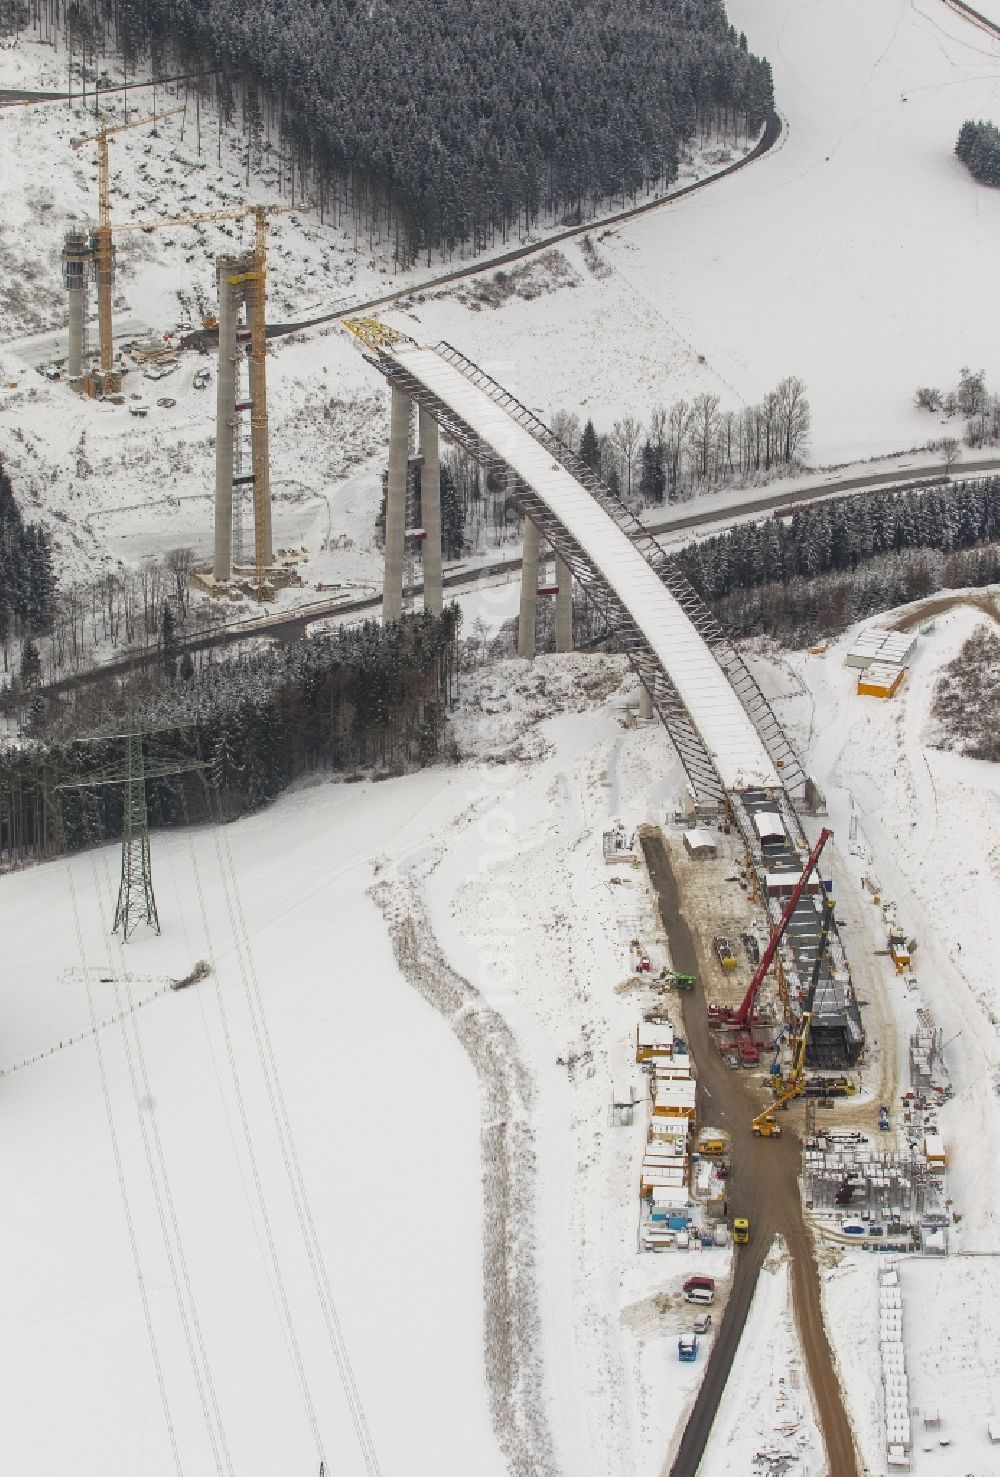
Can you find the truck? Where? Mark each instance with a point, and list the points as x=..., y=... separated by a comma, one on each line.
x=711, y=1144
x=741, y=1230
x=699, y=1290
x=687, y=1348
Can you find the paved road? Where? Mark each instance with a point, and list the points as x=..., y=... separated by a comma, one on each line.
x=11, y=97
x=50, y=345
x=763, y=1185
x=982, y=21
x=290, y=623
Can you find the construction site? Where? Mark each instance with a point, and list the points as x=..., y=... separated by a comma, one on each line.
x=639, y=882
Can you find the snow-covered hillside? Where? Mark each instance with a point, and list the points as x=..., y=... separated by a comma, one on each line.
x=857, y=254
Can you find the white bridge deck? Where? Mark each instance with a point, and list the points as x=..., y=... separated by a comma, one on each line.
x=733, y=744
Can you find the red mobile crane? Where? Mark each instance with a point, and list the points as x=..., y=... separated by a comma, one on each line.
x=723, y=1017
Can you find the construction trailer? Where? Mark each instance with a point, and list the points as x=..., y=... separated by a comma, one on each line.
x=881, y=679
x=873, y=645
x=653, y=1040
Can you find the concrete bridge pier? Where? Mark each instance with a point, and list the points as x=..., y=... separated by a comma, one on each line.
x=645, y=703
x=76, y=264
x=564, y=606
x=395, y=505
x=230, y=302
x=528, y=613
x=430, y=512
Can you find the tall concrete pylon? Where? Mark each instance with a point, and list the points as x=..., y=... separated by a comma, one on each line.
x=564, y=606
x=230, y=302
x=76, y=264
x=395, y=505
x=430, y=512
x=528, y=615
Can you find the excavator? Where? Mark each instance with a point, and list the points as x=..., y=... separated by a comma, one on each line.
x=677, y=980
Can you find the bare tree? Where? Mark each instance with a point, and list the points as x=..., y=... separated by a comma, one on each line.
x=950, y=450
x=625, y=440
x=565, y=426
x=793, y=418
x=704, y=418
x=678, y=423
x=180, y=562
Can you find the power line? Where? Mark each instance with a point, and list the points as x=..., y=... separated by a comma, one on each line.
x=288, y=1325
x=293, y=1166
x=220, y=1447
x=116, y=1149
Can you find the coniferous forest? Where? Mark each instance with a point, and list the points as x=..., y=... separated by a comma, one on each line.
x=457, y=120
x=27, y=584
x=844, y=559
x=369, y=697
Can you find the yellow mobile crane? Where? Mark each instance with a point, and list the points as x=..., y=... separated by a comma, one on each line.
x=100, y=239
x=786, y=1088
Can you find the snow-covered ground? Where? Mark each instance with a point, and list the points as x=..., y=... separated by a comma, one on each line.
x=482, y=887
x=926, y=825
x=767, y=1412
x=851, y=255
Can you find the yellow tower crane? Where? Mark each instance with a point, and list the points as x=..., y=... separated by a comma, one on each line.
x=256, y=278
x=104, y=264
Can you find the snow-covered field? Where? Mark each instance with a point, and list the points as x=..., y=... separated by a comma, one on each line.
x=481, y=886
x=853, y=255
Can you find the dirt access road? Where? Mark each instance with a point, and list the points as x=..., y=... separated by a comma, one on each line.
x=763, y=1185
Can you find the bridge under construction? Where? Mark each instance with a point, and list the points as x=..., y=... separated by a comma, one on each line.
x=734, y=750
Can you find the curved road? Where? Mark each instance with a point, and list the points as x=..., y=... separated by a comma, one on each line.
x=205, y=338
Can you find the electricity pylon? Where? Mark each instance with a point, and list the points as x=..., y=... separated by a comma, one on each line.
x=136, y=899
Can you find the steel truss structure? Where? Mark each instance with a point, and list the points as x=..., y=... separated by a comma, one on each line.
x=695, y=757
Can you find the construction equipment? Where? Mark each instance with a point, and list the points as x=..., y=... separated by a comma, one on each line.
x=254, y=279
x=678, y=981
x=101, y=247
x=722, y=1017
x=741, y=1230
x=787, y=1088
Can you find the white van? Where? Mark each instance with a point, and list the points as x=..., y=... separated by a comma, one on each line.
x=699, y=1295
